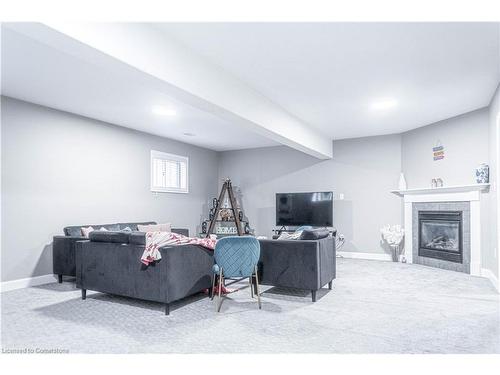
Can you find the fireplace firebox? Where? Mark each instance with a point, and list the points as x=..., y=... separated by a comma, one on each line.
x=440, y=235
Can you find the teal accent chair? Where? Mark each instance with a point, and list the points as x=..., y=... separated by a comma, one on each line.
x=236, y=257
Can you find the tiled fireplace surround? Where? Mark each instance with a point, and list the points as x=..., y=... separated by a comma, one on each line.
x=463, y=207
x=458, y=198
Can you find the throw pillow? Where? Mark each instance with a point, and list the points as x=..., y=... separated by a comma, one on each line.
x=303, y=227
x=290, y=236
x=126, y=229
x=86, y=231
x=155, y=228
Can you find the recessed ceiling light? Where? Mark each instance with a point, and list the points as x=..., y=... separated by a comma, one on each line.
x=163, y=111
x=385, y=103
x=188, y=134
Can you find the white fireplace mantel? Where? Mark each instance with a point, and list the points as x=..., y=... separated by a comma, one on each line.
x=444, y=189
x=463, y=193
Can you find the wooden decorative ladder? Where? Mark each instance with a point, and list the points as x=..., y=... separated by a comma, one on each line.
x=226, y=187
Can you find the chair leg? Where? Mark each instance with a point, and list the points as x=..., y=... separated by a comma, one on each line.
x=167, y=309
x=221, y=281
x=59, y=279
x=251, y=286
x=84, y=293
x=330, y=285
x=254, y=285
x=313, y=295
x=212, y=291
x=257, y=288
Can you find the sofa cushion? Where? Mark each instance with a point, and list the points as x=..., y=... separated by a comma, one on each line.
x=183, y=231
x=109, y=236
x=137, y=238
x=314, y=234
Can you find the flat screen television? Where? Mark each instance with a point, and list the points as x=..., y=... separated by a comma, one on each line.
x=296, y=209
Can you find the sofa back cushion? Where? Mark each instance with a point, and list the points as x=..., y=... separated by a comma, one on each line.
x=137, y=238
x=314, y=234
x=76, y=230
x=184, y=232
x=108, y=236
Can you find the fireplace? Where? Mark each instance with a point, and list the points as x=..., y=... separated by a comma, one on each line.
x=440, y=235
x=450, y=201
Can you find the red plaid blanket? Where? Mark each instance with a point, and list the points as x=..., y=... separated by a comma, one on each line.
x=155, y=240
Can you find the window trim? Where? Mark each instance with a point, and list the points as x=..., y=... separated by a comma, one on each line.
x=172, y=157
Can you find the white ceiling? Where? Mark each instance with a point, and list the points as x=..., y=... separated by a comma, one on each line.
x=329, y=74
x=34, y=72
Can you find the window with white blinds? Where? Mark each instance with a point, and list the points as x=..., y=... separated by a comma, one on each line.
x=169, y=173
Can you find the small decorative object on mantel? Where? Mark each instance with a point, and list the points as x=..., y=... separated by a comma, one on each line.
x=438, y=151
x=393, y=235
x=436, y=182
x=483, y=174
x=402, y=182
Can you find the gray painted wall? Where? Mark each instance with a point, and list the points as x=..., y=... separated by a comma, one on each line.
x=363, y=169
x=492, y=259
x=466, y=145
x=465, y=139
x=60, y=169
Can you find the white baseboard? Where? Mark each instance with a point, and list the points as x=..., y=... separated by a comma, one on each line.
x=370, y=256
x=490, y=276
x=28, y=282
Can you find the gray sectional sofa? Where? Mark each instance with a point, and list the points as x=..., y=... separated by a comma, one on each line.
x=109, y=262
x=63, y=247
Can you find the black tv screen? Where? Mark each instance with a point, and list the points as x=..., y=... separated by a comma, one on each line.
x=296, y=209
